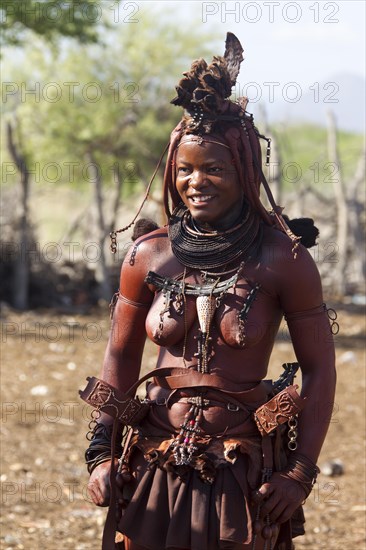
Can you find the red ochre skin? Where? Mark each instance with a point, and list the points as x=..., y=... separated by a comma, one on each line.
x=288, y=285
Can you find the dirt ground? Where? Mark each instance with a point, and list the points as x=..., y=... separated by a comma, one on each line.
x=45, y=360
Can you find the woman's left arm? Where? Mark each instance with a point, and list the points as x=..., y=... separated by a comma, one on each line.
x=301, y=299
x=308, y=323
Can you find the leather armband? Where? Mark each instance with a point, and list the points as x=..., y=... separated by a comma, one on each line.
x=104, y=397
x=278, y=410
x=132, y=302
x=305, y=313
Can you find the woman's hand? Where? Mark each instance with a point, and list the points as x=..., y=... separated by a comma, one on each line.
x=99, y=485
x=279, y=497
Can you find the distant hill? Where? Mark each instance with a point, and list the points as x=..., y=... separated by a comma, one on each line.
x=344, y=94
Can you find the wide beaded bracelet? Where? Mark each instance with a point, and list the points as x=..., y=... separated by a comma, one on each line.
x=303, y=470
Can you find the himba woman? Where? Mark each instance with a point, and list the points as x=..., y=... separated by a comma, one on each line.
x=208, y=468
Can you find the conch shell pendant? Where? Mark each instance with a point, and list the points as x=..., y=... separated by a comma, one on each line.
x=205, y=306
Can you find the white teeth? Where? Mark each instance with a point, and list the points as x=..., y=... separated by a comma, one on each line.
x=201, y=198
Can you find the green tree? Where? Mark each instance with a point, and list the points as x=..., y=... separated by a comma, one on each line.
x=101, y=115
x=112, y=102
x=50, y=19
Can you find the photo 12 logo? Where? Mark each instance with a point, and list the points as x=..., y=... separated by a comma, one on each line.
x=290, y=92
x=271, y=12
x=69, y=11
x=53, y=92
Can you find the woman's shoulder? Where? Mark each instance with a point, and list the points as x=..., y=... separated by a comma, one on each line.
x=150, y=238
x=278, y=250
x=275, y=237
x=150, y=252
x=150, y=244
x=145, y=254
x=291, y=270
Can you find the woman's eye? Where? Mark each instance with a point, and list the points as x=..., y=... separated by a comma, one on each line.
x=214, y=169
x=182, y=170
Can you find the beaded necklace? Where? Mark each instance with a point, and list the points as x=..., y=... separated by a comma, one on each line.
x=209, y=250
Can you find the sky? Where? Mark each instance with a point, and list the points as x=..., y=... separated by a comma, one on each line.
x=300, y=57
x=304, y=41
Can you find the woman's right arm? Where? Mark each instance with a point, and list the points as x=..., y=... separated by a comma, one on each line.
x=122, y=360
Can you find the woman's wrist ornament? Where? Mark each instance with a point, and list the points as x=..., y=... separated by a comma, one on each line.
x=303, y=470
x=100, y=448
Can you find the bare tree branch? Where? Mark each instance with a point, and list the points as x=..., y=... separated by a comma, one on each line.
x=117, y=197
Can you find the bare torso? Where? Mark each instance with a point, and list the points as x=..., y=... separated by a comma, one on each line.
x=244, y=360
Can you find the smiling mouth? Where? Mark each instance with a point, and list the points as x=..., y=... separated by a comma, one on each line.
x=199, y=199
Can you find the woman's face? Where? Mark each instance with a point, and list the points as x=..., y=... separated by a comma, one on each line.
x=208, y=184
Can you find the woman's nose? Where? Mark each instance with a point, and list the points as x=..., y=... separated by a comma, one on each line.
x=198, y=179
